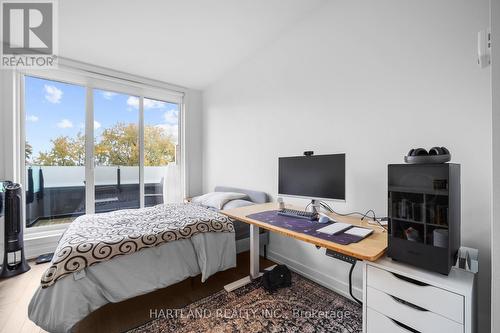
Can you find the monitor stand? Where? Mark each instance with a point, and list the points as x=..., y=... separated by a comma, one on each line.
x=315, y=206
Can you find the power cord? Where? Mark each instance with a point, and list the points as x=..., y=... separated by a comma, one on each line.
x=330, y=209
x=377, y=223
x=350, y=284
x=363, y=216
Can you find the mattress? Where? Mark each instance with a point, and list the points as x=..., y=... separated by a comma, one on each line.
x=59, y=307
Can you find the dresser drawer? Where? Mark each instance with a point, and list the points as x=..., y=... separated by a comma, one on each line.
x=377, y=323
x=417, y=318
x=437, y=300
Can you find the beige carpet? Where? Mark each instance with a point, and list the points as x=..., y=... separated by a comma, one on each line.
x=305, y=307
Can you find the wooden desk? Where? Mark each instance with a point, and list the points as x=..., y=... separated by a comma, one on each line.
x=370, y=249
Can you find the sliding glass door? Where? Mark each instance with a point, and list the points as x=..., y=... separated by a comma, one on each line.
x=93, y=150
x=161, y=138
x=54, y=179
x=116, y=151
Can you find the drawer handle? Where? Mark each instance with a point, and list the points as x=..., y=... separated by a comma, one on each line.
x=406, y=327
x=411, y=305
x=407, y=279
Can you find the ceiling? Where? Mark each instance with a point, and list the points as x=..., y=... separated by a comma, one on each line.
x=190, y=43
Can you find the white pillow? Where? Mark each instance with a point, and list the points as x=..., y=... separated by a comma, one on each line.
x=217, y=199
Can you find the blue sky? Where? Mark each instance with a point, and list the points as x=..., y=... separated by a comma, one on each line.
x=56, y=109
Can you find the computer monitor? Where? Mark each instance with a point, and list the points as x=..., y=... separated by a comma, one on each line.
x=314, y=177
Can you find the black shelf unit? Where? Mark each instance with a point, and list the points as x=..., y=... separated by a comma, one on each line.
x=424, y=214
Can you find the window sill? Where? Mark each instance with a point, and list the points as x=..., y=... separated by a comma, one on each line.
x=47, y=229
x=38, y=242
x=39, y=235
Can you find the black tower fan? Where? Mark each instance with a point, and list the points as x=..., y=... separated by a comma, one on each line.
x=14, y=262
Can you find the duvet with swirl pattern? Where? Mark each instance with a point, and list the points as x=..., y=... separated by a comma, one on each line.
x=95, y=238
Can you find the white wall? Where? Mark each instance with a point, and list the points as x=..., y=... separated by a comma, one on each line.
x=372, y=79
x=495, y=292
x=7, y=125
x=7, y=133
x=193, y=136
x=2, y=154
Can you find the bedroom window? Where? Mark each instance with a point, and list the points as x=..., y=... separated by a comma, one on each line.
x=92, y=145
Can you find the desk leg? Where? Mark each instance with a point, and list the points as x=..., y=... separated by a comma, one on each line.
x=254, y=252
x=254, y=261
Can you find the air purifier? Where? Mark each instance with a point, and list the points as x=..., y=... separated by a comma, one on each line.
x=14, y=261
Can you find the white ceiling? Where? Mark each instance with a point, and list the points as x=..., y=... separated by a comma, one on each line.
x=190, y=43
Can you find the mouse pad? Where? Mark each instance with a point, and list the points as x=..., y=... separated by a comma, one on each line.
x=303, y=226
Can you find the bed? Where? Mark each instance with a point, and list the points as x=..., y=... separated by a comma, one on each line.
x=108, y=258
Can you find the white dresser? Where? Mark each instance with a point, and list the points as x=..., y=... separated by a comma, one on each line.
x=401, y=298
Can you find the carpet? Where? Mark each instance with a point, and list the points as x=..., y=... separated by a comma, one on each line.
x=304, y=307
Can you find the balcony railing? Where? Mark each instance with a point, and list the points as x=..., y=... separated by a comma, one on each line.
x=56, y=194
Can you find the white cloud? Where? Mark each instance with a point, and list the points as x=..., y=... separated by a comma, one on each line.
x=32, y=118
x=133, y=102
x=171, y=117
x=172, y=130
x=53, y=94
x=152, y=104
x=65, y=123
x=108, y=94
x=148, y=103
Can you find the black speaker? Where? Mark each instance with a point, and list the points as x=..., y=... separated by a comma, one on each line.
x=14, y=261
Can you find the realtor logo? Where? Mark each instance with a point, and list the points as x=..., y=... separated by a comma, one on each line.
x=28, y=34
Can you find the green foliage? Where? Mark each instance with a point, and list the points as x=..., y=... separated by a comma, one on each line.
x=159, y=147
x=117, y=146
x=28, y=152
x=65, y=151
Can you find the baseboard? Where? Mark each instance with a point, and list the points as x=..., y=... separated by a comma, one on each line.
x=340, y=287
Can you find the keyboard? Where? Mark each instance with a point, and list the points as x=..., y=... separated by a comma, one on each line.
x=298, y=214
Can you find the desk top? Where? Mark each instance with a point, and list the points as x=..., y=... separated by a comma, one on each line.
x=370, y=248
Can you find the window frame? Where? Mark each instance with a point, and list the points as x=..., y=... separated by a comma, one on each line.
x=91, y=77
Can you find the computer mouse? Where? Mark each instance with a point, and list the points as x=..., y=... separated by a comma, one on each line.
x=323, y=219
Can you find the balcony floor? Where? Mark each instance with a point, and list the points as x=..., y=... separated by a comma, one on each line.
x=60, y=220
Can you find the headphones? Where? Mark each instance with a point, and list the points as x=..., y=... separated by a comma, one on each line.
x=434, y=155
x=434, y=151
